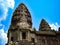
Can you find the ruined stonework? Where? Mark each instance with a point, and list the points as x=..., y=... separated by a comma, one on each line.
x=22, y=33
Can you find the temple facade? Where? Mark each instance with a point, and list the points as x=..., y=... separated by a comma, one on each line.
x=21, y=32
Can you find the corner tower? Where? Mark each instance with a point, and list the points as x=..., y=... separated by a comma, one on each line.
x=21, y=25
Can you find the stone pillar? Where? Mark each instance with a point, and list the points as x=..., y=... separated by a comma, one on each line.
x=35, y=40
x=9, y=37
x=20, y=35
x=28, y=36
x=46, y=42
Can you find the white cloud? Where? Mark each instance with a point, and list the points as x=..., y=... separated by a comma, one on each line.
x=55, y=26
x=3, y=37
x=5, y=5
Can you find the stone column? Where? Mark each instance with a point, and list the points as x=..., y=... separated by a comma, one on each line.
x=46, y=42
x=28, y=36
x=20, y=35
x=9, y=37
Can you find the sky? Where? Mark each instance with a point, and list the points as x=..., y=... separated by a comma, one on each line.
x=47, y=9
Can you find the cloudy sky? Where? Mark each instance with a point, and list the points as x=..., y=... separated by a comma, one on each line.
x=47, y=9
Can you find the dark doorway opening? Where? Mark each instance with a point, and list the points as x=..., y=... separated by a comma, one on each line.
x=33, y=40
x=11, y=38
x=23, y=35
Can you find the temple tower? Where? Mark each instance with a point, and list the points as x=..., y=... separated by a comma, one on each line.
x=44, y=25
x=21, y=25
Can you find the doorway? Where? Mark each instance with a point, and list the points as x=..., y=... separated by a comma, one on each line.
x=23, y=35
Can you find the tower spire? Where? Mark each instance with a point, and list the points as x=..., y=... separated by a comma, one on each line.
x=44, y=25
x=21, y=17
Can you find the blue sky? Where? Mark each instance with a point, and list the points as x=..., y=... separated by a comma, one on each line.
x=47, y=9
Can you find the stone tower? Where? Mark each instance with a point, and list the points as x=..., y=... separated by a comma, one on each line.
x=21, y=17
x=21, y=25
x=44, y=25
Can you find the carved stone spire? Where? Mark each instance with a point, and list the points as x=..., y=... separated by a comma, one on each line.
x=44, y=25
x=21, y=17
